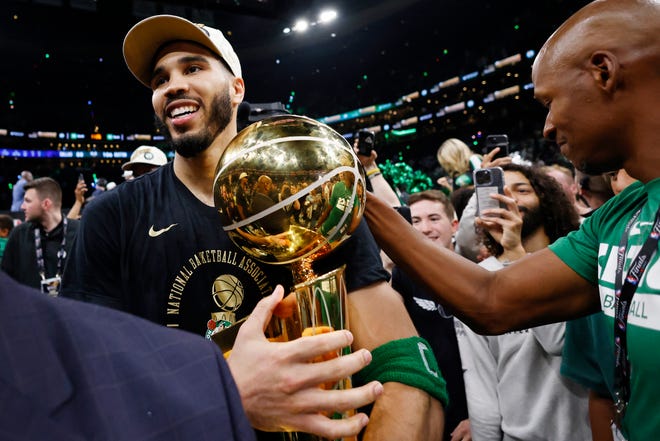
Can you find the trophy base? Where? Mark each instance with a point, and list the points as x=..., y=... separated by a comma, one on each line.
x=318, y=305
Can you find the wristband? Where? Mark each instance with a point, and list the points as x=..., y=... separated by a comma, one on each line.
x=373, y=175
x=373, y=171
x=409, y=361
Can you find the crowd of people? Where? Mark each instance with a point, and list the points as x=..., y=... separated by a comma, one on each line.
x=533, y=320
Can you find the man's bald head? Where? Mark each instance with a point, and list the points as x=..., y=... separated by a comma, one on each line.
x=599, y=77
x=627, y=28
x=624, y=27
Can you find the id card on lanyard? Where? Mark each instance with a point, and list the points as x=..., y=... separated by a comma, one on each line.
x=624, y=290
x=50, y=285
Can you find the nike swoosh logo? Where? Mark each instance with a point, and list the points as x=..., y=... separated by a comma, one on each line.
x=156, y=233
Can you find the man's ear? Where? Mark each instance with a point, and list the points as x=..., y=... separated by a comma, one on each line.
x=605, y=70
x=46, y=204
x=238, y=91
x=454, y=225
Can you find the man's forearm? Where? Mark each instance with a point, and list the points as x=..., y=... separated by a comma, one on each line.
x=405, y=413
x=378, y=317
x=489, y=302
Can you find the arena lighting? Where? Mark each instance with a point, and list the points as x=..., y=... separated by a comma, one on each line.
x=20, y=153
x=513, y=59
x=488, y=69
x=455, y=107
x=450, y=82
x=141, y=137
x=506, y=92
x=409, y=121
x=411, y=96
x=404, y=132
x=301, y=26
x=327, y=15
x=364, y=111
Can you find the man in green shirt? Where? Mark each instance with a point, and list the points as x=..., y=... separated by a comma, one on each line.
x=598, y=77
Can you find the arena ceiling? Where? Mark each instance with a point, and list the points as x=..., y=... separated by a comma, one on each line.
x=62, y=63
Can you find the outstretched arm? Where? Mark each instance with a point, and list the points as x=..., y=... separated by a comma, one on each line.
x=535, y=290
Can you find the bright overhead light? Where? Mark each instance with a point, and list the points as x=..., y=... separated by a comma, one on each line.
x=327, y=15
x=301, y=26
x=286, y=30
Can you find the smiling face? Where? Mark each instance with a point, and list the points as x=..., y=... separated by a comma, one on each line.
x=194, y=96
x=577, y=118
x=597, y=76
x=430, y=219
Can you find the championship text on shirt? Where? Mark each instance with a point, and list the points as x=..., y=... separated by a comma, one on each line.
x=213, y=256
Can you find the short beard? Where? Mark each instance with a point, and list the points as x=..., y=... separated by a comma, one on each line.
x=532, y=220
x=190, y=145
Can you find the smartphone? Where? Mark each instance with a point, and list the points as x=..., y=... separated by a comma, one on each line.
x=486, y=182
x=365, y=142
x=493, y=141
x=81, y=177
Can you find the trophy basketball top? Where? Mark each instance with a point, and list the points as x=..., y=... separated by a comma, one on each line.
x=287, y=188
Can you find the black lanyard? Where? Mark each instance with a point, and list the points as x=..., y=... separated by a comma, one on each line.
x=61, y=253
x=624, y=290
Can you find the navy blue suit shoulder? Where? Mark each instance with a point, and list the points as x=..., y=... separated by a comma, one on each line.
x=88, y=372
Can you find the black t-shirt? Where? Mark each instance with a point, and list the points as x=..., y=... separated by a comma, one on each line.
x=437, y=326
x=150, y=247
x=20, y=257
x=276, y=222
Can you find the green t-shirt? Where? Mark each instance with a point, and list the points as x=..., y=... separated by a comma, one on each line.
x=340, y=201
x=591, y=252
x=588, y=353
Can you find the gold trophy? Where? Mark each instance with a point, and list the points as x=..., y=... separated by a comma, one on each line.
x=289, y=190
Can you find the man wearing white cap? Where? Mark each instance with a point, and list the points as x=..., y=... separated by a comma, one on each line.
x=145, y=159
x=154, y=247
x=243, y=196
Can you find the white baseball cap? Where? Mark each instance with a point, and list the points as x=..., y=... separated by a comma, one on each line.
x=143, y=41
x=146, y=154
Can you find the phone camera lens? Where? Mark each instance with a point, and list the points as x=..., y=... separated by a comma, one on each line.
x=483, y=177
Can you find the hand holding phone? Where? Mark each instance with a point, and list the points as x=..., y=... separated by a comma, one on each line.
x=494, y=141
x=486, y=182
x=365, y=142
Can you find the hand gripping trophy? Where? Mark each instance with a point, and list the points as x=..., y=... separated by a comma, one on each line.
x=289, y=190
